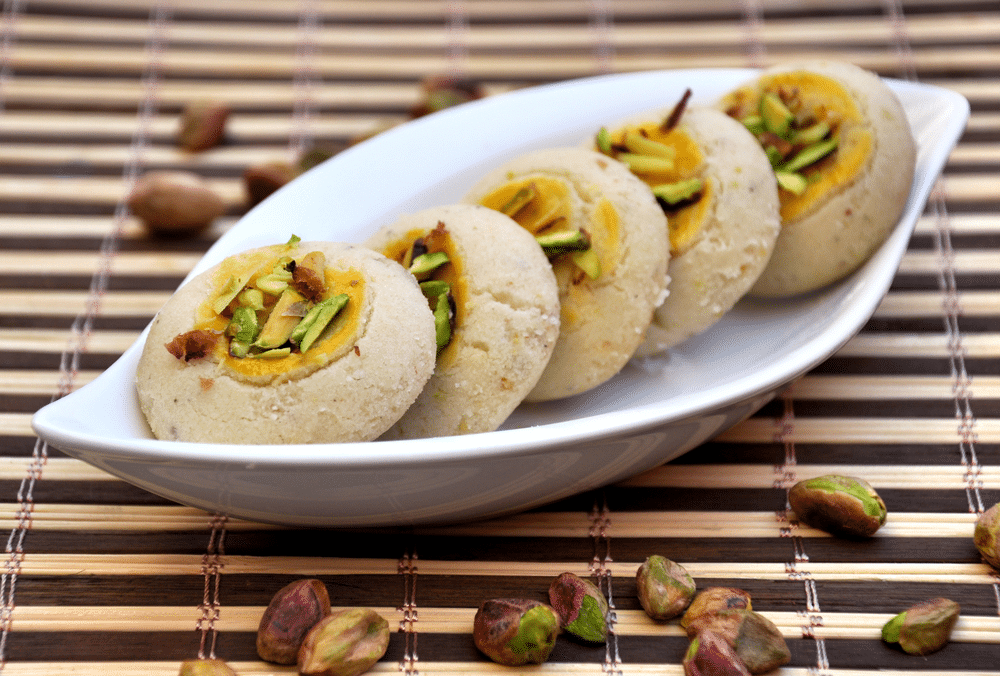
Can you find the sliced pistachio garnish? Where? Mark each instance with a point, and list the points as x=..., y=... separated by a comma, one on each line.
x=427, y=263
x=279, y=325
x=603, y=141
x=679, y=191
x=814, y=133
x=792, y=182
x=521, y=199
x=776, y=115
x=810, y=155
x=563, y=241
x=244, y=325
x=646, y=164
x=316, y=320
x=754, y=124
x=433, y=288
x=229, y=291
x=588, y=261
x=442, y=320
x=636, y=143
x=251, y=298
x=277, y=353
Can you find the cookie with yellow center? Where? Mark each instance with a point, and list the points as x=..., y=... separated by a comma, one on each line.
x=495, y=298
x=844, y=158
x=606, y=238
x=292, y=343
x=714, y=183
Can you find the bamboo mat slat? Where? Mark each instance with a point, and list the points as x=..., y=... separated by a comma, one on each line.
x=103, y=577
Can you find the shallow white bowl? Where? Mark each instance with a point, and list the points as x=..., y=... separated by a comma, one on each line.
x=653, y=411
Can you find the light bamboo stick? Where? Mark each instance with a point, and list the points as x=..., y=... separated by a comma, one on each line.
x=72, y=303
x=57, y=340
x=872, y=344
x=863, y=430
x=930, y=304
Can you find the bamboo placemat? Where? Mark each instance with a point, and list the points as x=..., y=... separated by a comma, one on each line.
x=101, y=577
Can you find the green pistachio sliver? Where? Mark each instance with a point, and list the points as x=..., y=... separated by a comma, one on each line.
x=520, y=200
x=775, y=114
x=643, y=145
x=271, y=285
x=793, y=182
x=293, y=240
x=433, y=288
x=277, y=353
x=244, y=325
x=774, y=155
x=251, y=298
x=239, y=348
x=556, y=243
x=603, y=141
x=442, y=321
x=673, y=193
x=319, y=318
x=428, y=262
x=588, y=261
x=229, y=291
x=810, y=155
x=646, y=164
x=891, y=629
x=814, y=133
x=754, y=124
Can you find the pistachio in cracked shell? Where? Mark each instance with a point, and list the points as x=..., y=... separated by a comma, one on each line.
x=754, y=638
x=581, y=606
x=710, y=655
x=841, y=505
x=714, y=599
x=986, y=535
x=515, y=632
x=205, y=667
x=293, y=611
x=924, y=627
x=664, y=587
x=346, y=642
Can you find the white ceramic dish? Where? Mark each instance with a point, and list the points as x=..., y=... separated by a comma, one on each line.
x=652, y=412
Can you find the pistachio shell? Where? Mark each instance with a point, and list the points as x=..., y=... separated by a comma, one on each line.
x=581, y=607
x=987, y=535
x=347, y=642
x=664, y=587
x=923, y=628
x=710, y=655
x=841, y=505
x=714, y=599
x=755, y=639
x=292, y=612
x=515, y=632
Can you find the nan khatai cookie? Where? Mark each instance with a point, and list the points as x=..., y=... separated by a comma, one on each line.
x=496, y=307
x=715, y=185
x=844, y=158
x=305, y=342
x=606, y=238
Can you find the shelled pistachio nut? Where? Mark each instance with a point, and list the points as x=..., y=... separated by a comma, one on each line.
x=515, y=632
x=206, y=667
x=175, y=202
x=755, y=639
x=841, y=505
x=664, y=587
x=923, y=628
x=581, y=607
x=292, y=612
x=987, y=535
x=714, y=599
x=710, y=655
x=202, y=124
x=346, y=642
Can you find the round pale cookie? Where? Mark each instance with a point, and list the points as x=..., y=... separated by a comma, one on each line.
x=605, y=312
x=721, y=235
x=505, y=325
x=854, y=197
x=351, y=383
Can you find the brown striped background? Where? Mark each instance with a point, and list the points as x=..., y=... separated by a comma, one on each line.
x=103, y=578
